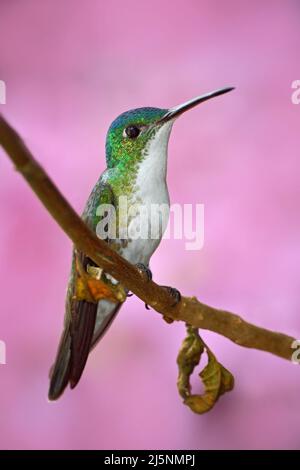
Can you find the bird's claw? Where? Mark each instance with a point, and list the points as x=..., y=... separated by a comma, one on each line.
x=174, y=293
x=177, y=298
x=145, y=271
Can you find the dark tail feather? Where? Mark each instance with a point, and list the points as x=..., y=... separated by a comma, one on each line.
x=60, y=372
x=78, y=338
x=82, y=331
x=73, y=349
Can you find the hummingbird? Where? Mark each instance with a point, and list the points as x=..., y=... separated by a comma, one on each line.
x=136, y=159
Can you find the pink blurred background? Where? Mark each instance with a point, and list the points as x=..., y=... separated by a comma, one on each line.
x=70, y=68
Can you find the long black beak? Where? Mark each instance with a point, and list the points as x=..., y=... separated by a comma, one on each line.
x=173, y=113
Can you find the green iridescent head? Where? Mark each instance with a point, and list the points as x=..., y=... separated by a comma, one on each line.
x=129, y=133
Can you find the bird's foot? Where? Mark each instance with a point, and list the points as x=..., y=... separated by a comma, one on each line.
x=147, y=275
x=174, y=293
x=144, y=270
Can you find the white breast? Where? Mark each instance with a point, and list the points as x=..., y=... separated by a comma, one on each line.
x=152, y=194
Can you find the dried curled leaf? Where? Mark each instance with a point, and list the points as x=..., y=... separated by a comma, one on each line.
x=216, y=379
x=89, y=285
x=188, y=358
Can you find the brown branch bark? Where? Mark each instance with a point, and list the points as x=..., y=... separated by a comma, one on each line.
x=189, y=310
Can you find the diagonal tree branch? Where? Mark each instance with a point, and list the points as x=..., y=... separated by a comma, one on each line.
x=189, y=310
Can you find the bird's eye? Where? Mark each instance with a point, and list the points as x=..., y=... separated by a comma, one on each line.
x=132, y=132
